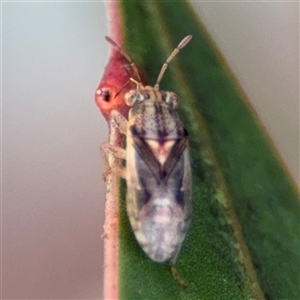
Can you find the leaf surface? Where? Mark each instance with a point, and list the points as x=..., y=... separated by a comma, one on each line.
x=243, y=242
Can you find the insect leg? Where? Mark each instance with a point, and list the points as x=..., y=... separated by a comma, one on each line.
x=174, y=270
x=118, y=152
x=177, y=276
x=175, y=256
x=119, y=121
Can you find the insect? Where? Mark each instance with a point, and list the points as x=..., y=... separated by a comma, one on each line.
x=158, y=172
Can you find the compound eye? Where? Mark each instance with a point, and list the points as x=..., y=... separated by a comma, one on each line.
x=104, y=93
x=132, y=97
x=172, y=100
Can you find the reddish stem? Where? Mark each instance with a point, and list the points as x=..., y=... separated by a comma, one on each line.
x=109, y=96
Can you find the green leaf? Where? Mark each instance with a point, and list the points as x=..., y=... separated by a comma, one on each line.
x=243, y=242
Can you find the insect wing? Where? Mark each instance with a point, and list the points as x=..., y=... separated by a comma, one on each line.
x=159, y=209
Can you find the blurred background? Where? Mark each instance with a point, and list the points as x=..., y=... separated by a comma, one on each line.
x=53, y=56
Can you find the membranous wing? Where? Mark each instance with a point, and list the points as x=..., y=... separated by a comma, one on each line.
x=160, y=207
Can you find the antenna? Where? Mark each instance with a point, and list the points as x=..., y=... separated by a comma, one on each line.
x=132, y=64
x=183, y=43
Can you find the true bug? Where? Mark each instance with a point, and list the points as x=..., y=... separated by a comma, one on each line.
x=158, y=173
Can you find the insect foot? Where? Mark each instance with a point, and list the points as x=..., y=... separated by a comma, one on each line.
x=177, y=277
x=158, y=172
